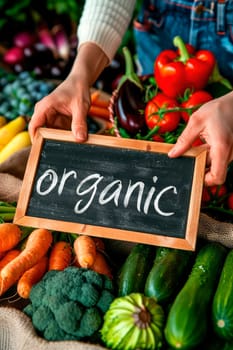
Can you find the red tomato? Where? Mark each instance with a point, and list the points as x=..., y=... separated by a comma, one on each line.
x=213, y=193
x=156, y=113
x=230, y=201
x=195, y=99
x=157, y=138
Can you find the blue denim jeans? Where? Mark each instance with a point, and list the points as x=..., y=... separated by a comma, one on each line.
x=204, y=24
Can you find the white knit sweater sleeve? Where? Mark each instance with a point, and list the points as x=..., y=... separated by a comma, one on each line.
x=104, y=22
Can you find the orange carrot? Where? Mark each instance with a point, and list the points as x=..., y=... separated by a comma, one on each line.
x=37, y=245
x=101, y=265
x=101, y=112
x=95, y=95
x=60, y=256
x=10, y=235
x=85, y=250
x=10, y=255
x=97, y=100
x=31, y=277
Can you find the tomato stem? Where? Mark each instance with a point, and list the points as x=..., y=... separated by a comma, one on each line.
x=151, y=133
x=162, y=111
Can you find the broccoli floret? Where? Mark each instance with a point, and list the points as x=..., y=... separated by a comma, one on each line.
x=42, y=317
x=88, y=295
x=54, y=301
x=37, y=293
x=105, y=300
x=29, y=310
x=54, y=332
x=64, y=278
x=71, y=280
x=90, y=322
x=70, y=304
x=108, y=284
x=93, y=278
x=68, y=316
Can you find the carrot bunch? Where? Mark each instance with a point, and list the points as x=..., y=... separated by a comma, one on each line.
x=36, y=247
x=90, y=253
x=24, y=263
x=99, y=106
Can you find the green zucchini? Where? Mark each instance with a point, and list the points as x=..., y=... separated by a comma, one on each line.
x=222, y=308
x=188, y=317
x=135, y=269
x=168, y=273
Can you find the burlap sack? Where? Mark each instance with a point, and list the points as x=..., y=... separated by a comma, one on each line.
x=11, y=175
x=215, y=231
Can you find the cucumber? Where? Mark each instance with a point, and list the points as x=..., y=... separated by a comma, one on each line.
x=188, y=317
x=168, y=273
x=135, y=269
x=222, y=307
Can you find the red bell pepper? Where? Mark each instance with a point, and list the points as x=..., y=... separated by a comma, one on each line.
x=177, y=70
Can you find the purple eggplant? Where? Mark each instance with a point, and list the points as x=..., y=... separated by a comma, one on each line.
x=129, y=101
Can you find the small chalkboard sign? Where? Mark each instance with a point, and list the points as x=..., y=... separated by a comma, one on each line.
x=115, y=188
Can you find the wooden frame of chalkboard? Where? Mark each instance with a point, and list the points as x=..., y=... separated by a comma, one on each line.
x=110, y=187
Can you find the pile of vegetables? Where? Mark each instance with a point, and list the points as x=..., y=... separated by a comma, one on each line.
x=26, y=254
x=41, y=36
x=158, y=107
x=14, y=137
x=156, y=298
x=47, y=53
x=191, y=300
x=159, y=298
x=18, y=96
x=19, y=93
x=67, y=279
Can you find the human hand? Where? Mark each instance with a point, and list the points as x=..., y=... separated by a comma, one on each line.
x=212, y=122
x=67, y=106
x=64, y=108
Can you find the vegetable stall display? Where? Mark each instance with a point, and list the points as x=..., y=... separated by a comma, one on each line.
x=155, y=297
x=71, y=294
x=158, y=107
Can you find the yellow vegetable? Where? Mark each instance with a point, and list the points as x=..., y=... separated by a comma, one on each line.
x=3, y=120
x=9, y=130
x=18, y=142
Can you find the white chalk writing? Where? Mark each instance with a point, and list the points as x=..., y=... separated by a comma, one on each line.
x=87, y=190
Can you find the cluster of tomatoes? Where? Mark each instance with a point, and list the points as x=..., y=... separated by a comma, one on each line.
x=167, y=112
